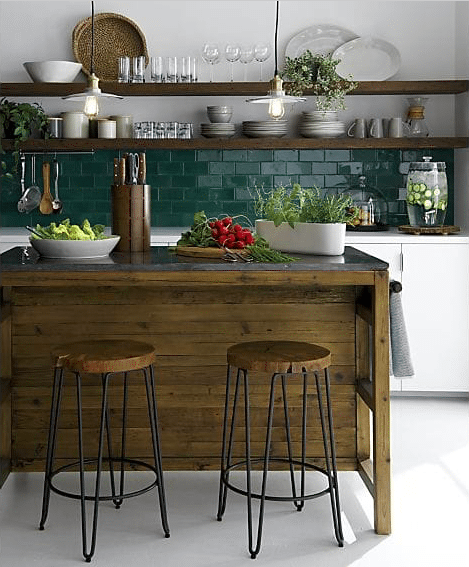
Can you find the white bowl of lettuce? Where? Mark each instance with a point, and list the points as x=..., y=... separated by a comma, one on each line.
x=67, y=240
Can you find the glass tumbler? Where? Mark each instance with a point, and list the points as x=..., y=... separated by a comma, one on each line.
x=171, y=70
x=138, y=69
x=184, y=130
x=123, y=70
x=157, y=69
x=185, y=69
x=171, y=130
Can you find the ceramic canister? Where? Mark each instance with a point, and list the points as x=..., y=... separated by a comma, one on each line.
x=124, y=125
x=75, y=125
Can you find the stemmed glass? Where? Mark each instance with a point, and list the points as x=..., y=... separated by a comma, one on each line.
x=246, y=56
x=262, y=52
x=211, y=55
x=232, y=54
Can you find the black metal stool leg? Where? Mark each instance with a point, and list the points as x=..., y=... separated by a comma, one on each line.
x=339, y=534
x=226, y=453
x=109, y=452
x=298, y=504
x=153, y=418
x=118, y=501
x=89, y=554
x=335, y=511
x=254, y=552
x=54, y=416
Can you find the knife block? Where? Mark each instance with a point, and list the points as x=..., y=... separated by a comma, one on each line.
x=131, y=217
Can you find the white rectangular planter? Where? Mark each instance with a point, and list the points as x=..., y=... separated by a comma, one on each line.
x=325, y=239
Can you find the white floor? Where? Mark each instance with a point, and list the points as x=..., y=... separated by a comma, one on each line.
x=430, y=441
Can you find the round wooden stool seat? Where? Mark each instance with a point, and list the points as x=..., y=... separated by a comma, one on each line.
x=100, y=356
x=279, y=356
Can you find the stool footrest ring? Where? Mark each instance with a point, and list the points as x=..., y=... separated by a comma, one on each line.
x=271, y=497
x=76, y=496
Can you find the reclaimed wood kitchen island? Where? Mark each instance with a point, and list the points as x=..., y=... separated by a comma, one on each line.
x=192, y=310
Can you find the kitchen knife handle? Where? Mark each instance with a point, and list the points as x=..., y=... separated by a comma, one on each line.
x=122, y=171
x=142, y=169
x=116, y=171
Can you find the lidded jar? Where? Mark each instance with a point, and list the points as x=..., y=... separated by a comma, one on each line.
x=427, y=192
x=372, y=207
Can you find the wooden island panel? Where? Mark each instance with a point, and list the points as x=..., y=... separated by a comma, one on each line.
x=191, y=329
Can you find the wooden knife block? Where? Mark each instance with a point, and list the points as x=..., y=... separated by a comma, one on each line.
x=131, y=217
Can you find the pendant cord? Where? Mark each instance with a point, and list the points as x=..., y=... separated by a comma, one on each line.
x=92, y=38
x=276, y=34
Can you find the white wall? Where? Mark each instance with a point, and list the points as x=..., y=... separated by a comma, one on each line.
x=422, y=31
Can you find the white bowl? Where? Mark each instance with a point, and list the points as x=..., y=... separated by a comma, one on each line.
x=74, y=248
x=52, y=71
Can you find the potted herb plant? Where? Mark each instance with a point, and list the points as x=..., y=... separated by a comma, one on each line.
x=303, y=220
x=316, y=72
x=19, y=121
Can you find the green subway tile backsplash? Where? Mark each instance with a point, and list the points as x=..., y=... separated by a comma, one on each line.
x=218, y=181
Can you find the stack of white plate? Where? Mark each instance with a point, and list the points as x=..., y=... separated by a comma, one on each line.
x=321, y=124
x=217, y=130
x=264, y=128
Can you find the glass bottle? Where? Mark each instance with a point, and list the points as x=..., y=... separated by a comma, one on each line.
x=416, y=117
x=427, y=193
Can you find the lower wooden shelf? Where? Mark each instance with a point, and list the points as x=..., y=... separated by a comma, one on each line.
x=239, y=143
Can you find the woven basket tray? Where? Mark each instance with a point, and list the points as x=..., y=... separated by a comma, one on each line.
x=114, y=35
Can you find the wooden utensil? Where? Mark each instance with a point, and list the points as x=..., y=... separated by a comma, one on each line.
x=45, y=206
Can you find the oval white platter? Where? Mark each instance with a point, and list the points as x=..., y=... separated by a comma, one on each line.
x=323, y=39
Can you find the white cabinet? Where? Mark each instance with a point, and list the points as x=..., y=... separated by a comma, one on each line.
x=435, y=298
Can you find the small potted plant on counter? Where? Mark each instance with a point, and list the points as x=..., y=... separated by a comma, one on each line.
x=20, y=121
x=303, y=220
x=316, y=72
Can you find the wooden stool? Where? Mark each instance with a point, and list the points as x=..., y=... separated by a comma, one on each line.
x=282, y=359
x=105, y=357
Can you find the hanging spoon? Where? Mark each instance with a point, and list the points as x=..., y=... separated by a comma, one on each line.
x=45, y=206
x=57, y=204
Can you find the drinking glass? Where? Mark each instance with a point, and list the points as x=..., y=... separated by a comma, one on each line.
x=185, y=69
x=211, y=55
x=246, y=56
x=157, y=70
x=171, y=70
x=262, y=52
x=123, y=75
x=232, y=54
x=138, y=69
x=194, y=73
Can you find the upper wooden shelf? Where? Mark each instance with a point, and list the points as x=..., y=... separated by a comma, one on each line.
x=236, y=143
x=226, y=89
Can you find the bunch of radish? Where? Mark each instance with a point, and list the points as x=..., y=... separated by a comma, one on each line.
x=231, y=235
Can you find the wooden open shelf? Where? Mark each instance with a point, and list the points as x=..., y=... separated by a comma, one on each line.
x=239, y=143
x=226, y=89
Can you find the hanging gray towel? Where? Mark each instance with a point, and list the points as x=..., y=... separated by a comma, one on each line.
x=400, y=361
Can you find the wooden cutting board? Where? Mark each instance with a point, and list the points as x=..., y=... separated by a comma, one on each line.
x=200, y=252
x=445, y=229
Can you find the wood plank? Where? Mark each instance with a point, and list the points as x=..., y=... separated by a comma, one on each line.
x=381, y=414
x=365, y=391
x=365, y=470
x=236, y=143
x=5, y=384
x=363, y=430
x=237, y=88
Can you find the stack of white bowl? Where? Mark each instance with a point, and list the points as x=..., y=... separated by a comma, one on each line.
x=265, y=128
x=219, y=126
x=321, y=124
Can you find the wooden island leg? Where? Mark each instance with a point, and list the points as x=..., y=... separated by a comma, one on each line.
x=381, y=403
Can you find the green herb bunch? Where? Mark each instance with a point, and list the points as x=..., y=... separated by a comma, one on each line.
x=317, y=73
x=18, y=121
x=303, y=205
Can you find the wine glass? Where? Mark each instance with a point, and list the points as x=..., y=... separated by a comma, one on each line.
x=246, y=56
x=262, y=52
x=211, y=55
x=232, y=54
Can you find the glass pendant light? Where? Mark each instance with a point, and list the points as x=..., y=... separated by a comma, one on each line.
x=92, y=93
x=276, y=98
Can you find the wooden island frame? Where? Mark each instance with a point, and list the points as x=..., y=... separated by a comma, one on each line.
x=192, y=310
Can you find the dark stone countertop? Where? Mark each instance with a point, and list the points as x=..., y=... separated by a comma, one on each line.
x=160, y=258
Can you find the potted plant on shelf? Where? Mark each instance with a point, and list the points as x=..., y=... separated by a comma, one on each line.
x=302, y=220
x=20, y=121
x=317, y=73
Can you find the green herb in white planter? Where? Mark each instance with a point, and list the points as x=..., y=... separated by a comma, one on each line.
x=302, y=220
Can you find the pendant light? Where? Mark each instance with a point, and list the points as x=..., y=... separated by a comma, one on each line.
x=276, y=99
x=92, y=93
